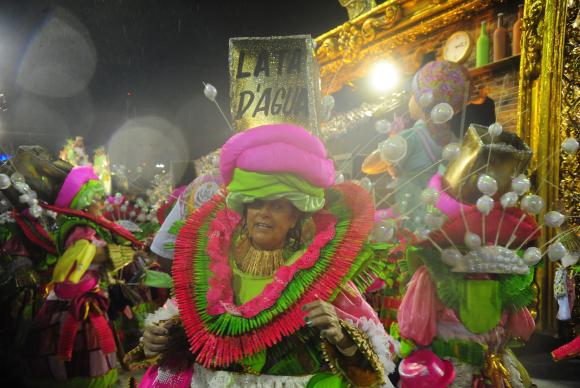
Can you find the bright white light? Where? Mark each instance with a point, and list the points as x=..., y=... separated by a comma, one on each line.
x=384, y=76
x=160, y=165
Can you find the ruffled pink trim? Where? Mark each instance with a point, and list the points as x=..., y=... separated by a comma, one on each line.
x=220, y=296
x=278, y=148
x=73, y=183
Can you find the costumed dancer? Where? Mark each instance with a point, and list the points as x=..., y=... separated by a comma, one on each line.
x=27, y=253
x=71, y=342
x=412, y=156
x=259, y=304
x=466, y=302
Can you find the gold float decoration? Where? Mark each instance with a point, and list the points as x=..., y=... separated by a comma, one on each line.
x=355, y=8
x=346, y=52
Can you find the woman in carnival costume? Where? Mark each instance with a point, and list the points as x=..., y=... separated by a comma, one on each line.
x=260, y=303
x=466, y=303
x=71, y=343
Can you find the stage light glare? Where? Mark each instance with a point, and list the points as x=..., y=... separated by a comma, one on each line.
x=384, y=76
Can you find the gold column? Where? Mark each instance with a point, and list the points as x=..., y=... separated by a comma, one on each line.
x=539, y=118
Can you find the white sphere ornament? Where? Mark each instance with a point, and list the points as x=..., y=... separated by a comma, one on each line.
x=554, y=219
x=422, y=234
x=570, y=145
x=430, y=196
x=327, y=101
x=485, y=204
x=434, y=221
x=5, y=182
x=532, y=256
x=441, y=113
x=472, y=240
x=451, y=151
x=123, y=208
x=24, y=198
x=532, y=204
x=36, y=211
x=383, y=126
x=394, y=149
x=425, y=100
x=570, y=259
x=509, y=199
x=338, y=177
x=521, y=184
x=17, y=178
x=141, y=217
x=487, y=184
x=366, y=184
x=383, y=231
x=556, y=251
x=451, y=256
x=132, y=214
x=495, y=129
x=210, y=92
x=32, y=201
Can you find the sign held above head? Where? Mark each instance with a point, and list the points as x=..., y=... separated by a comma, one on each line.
x=274, y=80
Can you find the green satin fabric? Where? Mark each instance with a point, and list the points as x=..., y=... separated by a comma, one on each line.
x=247, y=186
x=87, y=194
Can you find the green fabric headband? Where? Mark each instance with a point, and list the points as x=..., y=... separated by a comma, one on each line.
x=86, y=194
x=247, y=186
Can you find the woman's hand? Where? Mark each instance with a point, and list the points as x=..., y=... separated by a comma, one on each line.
x=155, y=340
x=322, y=315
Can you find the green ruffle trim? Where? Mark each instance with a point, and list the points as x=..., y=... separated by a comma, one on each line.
x=87, y=194
x=65, y=225
x=230, y=325
x=466, y=351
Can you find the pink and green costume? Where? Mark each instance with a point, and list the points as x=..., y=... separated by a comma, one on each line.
x=250, y=331
x=71, y=343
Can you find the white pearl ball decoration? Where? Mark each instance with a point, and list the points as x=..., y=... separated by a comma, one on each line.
x=123, y=208
x=495, y=129
x=509, y=199
x=366, y=184
x=532, y=256
x=383, y=231
x=132, y=214
x=487, y=184
x=422, y=233
x=442, y=113
x=5, y=182
x=451, y=151
x=141, y=217
x=430, y=196
x=328, y=101
x=521, y=184
x=434, y=221
x=485, y=204
x=425, y=100
x=17, y=178
x=339, y=177
x=570, y=145
x=24, y=198
x=210, y=92
x=532, y=204
x=383, y=126
x=570, y=259
x=36, y=211
x=451, y=256
x=394, y=149
x=556, y=251
x=472, y=240
x=554, y=219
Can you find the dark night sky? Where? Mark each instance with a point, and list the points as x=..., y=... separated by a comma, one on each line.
x=160, y=51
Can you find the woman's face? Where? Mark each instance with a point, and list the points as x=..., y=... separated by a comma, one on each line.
x=269, y=222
